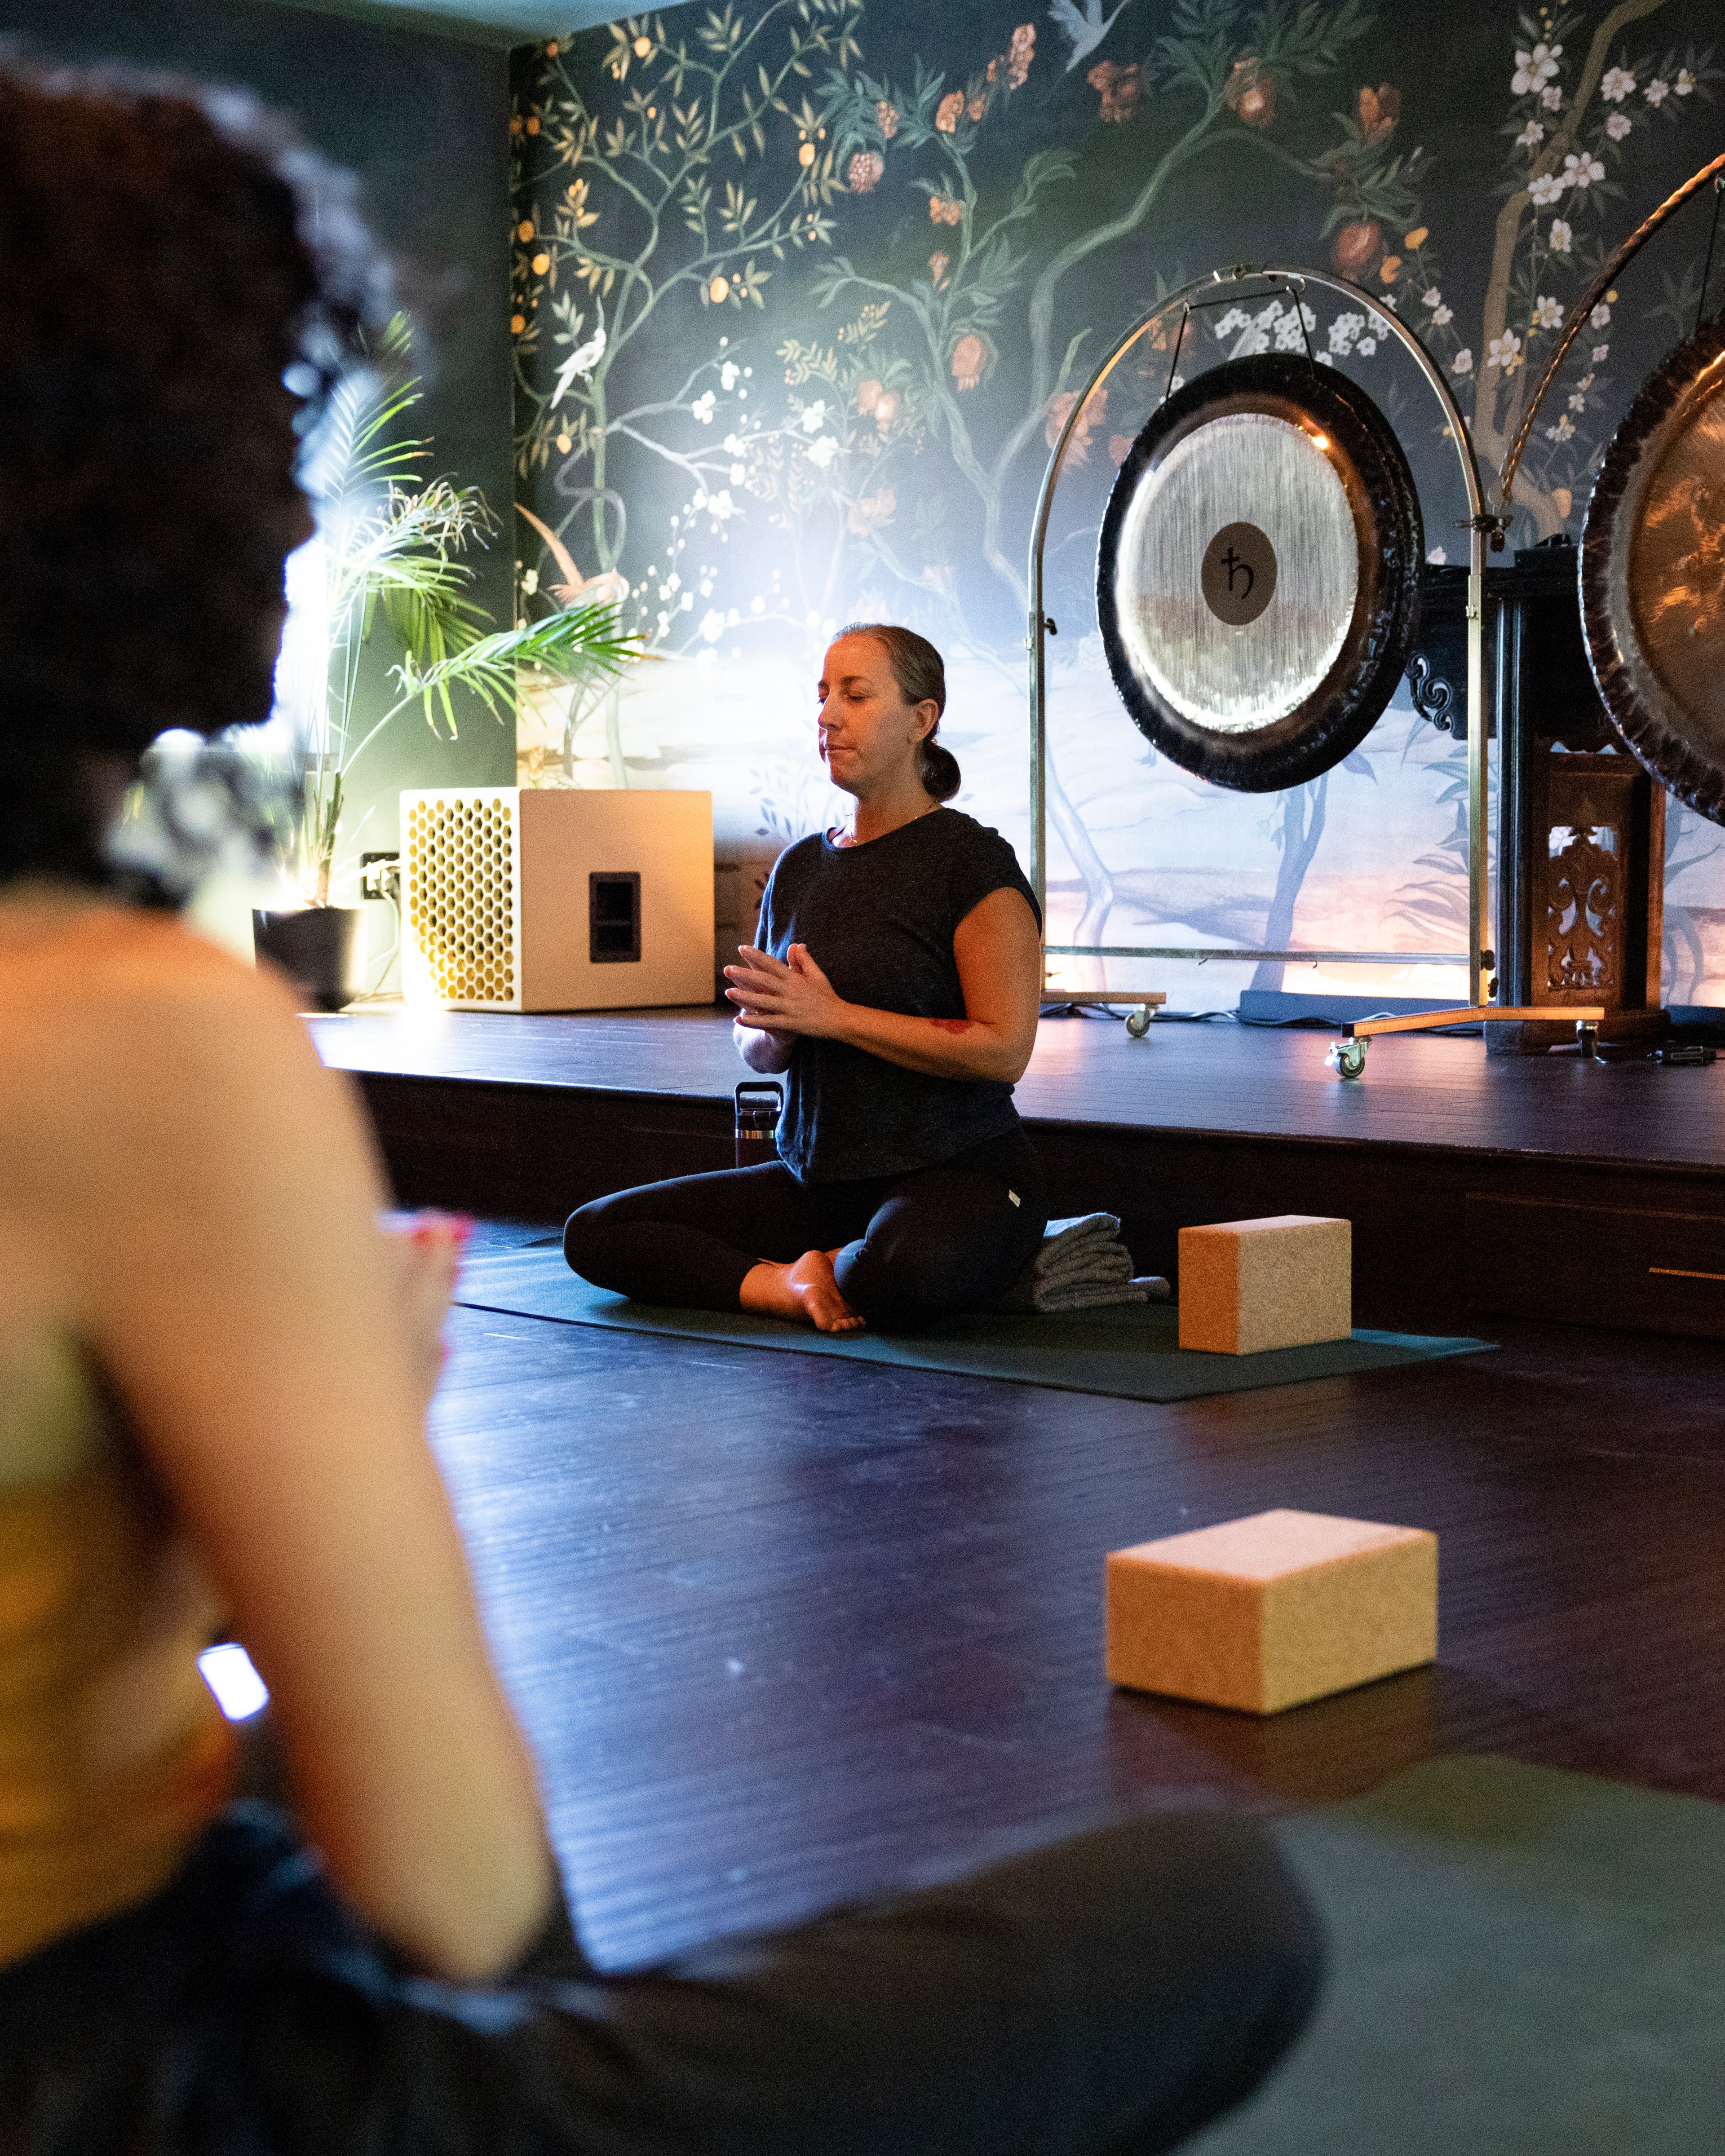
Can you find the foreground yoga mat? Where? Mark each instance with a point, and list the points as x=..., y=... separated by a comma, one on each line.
x=1131, y=1351
x=1523, y=1963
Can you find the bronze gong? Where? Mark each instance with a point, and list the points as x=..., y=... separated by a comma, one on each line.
x=1258, y=572
x=1653, y=574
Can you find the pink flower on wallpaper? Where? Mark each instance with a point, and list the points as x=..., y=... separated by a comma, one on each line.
x=872, y=509
x=972, y=356
x=938, y=265
x=944, y=210
x=887, y=409
x=1379, y=109
x=1060, y=407
x=1019, y=55
x=1119, y=88
x=949, y=112
x=868, y=395
x=864, y=172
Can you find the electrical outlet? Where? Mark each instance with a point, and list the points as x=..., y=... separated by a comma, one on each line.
x=380, y=876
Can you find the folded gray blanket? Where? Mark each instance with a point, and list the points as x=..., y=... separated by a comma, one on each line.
x=1082, y=1264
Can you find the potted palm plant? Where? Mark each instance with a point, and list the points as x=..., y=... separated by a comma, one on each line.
x=391, y=541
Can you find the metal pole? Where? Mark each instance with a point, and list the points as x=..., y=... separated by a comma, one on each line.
x=1036, y=641
x=1038, y=759
x=1478, y=895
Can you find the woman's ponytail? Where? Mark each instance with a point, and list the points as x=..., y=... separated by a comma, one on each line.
x=939, y=771
x=920, y=674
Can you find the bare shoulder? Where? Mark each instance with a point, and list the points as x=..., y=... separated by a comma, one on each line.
x=129, y=996
x=125, y=1036
x=1004, y=911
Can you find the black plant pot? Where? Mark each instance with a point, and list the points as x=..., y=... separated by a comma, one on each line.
x=317, y=947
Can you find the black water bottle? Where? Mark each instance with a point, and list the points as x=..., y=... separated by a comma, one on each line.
x=759, y=1101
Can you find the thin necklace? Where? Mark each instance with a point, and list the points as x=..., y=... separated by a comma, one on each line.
x=849, y=837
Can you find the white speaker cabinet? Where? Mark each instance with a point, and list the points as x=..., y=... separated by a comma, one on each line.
x=531, y=899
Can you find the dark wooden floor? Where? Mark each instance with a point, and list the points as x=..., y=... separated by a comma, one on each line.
x=786, y=1629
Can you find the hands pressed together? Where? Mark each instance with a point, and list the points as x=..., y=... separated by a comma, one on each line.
x=778, y=1001
x=784, y=996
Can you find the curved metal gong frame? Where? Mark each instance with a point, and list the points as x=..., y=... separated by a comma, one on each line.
x=1638, y=699
x=1206, y=291
x=1589, y=298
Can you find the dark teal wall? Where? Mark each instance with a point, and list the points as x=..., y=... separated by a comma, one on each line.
x=423, y=122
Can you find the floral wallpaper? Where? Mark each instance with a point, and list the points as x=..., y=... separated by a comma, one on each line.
x=804, y=290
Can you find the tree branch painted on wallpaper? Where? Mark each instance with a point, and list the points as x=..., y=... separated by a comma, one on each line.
x=1573, y=145
x=667, y=223
x=802, y=296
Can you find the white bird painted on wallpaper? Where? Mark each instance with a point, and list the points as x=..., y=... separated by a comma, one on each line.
x=1086, y=30
x=582, y=361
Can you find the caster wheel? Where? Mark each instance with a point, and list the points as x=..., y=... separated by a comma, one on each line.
x=1138, y=1024
x=1347, y=1058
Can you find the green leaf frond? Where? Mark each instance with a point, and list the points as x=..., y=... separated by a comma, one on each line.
x=581, y=643
x=353, y=453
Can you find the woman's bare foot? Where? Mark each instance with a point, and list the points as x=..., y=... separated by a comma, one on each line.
x=806, y=1292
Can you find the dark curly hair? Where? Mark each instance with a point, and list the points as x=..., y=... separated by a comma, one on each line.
x=180, y=282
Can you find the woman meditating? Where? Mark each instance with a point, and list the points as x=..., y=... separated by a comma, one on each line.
x=896, y=987
x=212, y=1392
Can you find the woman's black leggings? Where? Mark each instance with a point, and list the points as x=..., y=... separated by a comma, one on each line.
x=912, y=1248
x=1103, y=1997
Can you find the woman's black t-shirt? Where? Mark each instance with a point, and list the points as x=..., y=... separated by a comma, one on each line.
x=879, y=920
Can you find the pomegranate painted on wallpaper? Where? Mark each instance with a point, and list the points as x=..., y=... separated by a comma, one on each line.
x=1358, y=248
x=1251, y=92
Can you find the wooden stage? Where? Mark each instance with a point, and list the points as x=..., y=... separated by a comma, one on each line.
x=1538, y=1187
x=786, y=1629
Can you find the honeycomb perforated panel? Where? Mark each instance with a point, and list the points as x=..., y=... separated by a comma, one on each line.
x=460, y=884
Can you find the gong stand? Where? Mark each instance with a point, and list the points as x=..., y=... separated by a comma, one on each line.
x=1638, y=670
x=1223, y=287
x=1580, y=824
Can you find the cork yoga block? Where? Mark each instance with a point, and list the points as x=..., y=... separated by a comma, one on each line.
x=1269, y=1612
x=1287, y=1281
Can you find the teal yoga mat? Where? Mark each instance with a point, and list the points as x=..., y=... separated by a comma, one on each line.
x=1523, y=1963
x=1131, y=1351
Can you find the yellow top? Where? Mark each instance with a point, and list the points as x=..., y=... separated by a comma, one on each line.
x=113, y=1754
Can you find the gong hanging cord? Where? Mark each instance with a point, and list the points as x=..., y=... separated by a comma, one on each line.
x=1707, y=267
x=1606, y=275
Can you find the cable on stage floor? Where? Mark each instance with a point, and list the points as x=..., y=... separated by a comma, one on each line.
x=1306, y=1023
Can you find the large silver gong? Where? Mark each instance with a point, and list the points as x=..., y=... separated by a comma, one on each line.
x=1236, y=621
x=1258, y=574
x=1653, y=573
